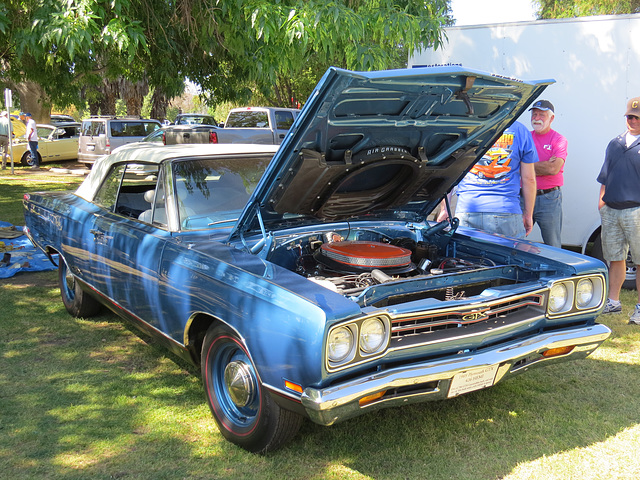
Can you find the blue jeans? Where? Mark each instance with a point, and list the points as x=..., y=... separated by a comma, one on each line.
x=509, y=224
x=33, y=147
x=547, y=213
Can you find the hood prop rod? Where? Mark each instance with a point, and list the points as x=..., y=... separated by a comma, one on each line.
x=267, y=238
x=462, y=93
x=452, y=223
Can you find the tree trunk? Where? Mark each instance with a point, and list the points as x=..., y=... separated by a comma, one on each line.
x=102, y=98
x=133, y=95
x=159, y=104
x=34, y=101
x=110, y=95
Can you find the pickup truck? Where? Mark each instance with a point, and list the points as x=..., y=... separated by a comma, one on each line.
x=179, y=134
x=259, y=125
x=195, y=119
x=264, y=125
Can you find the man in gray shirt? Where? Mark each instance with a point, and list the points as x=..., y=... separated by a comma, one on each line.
x=5, y=133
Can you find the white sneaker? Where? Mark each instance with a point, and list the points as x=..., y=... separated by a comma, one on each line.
x=635, y=316
x=611, y=307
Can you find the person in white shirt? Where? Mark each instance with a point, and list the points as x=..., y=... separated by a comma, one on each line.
x=32, y=137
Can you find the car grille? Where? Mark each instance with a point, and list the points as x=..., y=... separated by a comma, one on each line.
x=470, y=318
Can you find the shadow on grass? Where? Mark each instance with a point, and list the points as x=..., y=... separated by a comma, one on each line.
x=89, y=399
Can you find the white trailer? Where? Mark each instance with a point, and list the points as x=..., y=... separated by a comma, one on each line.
x=596, y=64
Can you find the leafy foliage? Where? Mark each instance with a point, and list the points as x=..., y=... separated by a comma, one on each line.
x=583, y=8
x=230, y=48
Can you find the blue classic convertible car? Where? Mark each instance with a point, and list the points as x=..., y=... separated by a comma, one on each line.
x=307, y=281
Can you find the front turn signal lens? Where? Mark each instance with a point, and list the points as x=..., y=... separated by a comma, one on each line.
x=556, y=352
x=371, y=398
x=293, y=386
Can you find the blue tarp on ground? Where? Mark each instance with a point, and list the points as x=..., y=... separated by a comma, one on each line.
x=19, y=255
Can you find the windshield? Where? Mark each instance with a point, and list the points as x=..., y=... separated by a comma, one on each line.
x=212, y=192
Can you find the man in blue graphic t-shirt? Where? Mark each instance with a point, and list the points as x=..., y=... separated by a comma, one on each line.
x=489, y=195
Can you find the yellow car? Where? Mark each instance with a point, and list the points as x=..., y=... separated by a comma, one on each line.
x=55, y=142
x=18, y=127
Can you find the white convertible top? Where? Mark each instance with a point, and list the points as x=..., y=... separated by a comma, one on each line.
x=153, y=153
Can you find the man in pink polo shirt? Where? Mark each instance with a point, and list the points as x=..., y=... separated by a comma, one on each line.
x=552, y=152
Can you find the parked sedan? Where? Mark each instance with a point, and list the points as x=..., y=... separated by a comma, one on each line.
x=306, y=281
x=55, y=142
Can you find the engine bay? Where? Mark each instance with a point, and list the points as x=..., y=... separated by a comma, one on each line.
x=352, y=261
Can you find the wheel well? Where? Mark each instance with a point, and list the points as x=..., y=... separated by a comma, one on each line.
x=50, y=252
x=593, y=236
x=197, y=330
x=587, y=247
x=23, y=159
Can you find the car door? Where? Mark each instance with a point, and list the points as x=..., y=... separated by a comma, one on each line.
x=284, y=120
x=64, y=143
x=92, y=141
x=55, y=145
x=127, y=246
x=44, y=142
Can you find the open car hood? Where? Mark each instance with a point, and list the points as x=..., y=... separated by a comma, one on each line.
x=385, y=143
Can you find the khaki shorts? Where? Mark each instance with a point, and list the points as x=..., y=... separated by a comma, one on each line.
x=620, y=233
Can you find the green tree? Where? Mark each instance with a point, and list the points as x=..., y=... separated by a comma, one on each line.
x=583, y=8
x=231, y=48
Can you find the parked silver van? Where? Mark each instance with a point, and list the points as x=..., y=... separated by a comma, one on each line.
x=101, y=135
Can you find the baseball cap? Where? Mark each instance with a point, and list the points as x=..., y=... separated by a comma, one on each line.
x=633, y=107
x=3, y=113
x=27, y=114
x=543, y=105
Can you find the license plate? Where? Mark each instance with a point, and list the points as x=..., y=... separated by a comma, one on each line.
x=91, y=148
x=472, y=380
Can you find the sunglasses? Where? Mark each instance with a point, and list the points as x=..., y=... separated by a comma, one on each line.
x=632, y=117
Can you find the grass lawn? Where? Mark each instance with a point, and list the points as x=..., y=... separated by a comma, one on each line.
x=94, y=399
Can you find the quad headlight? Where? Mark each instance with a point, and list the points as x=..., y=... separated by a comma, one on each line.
x=357, y=341
x=576, y=295
x=340, y=344
x=584, y=292
x=558, y=296
x=373, y=334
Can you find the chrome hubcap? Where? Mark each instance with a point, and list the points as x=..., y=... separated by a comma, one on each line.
x=239, y=383
x=70, y=281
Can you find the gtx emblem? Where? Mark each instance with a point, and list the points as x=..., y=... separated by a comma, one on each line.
x=474, y=317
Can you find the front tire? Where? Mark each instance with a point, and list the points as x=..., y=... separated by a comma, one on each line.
x=243, y=409
x=27, y=160
x=75, y=300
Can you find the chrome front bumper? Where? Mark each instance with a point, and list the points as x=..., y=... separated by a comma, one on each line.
x=431, y=381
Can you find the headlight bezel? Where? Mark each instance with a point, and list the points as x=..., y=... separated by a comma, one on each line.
x=575, y=304
x=357, y=353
